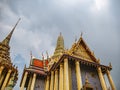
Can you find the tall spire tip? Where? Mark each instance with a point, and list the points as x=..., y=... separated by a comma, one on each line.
x=7, y=39
x=81, y=34
x=60, y=34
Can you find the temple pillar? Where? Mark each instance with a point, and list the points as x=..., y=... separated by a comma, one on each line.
x=61, y=77
x=47, y=83
x=56, y=80
x=23, y=81
x=1, y=69
x=6, y=80
x=33, y=81
x=52, y=81
x=1, y=79
x=110, y=80
x=66, y=73
x=78, y=75
x=29, y=84
x=102, y=81
x=70, y=76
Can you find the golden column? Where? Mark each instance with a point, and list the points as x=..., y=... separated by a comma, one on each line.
x=52, y=81
x=66, y=73
x=33, y=81
x=110, y=80
x=1, y=79
x=23, y=81
x=29, y=84
x=47, y=83
x=61, y=77
x=78, y=75
x=70, y=76
x=1, y=69
x=102, y=81
x=56, y=80
x=1, y=75
x=6, y=80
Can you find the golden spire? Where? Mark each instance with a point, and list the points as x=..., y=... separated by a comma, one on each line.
x=7, y=39
x=4, y=46
x=60, y=46
x=81, y=34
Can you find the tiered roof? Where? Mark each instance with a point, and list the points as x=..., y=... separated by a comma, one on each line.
x=79, y=51
x=38, y=66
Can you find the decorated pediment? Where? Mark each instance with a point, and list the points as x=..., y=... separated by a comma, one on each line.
x=81, y=50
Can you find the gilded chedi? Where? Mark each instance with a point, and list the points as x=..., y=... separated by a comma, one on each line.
x=8, y=71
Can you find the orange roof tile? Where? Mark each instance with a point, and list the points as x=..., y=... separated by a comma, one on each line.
x=38, y=63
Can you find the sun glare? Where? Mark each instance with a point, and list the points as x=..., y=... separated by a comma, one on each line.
x=100, y=4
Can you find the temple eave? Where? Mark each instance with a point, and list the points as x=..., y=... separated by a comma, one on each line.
x=82, y=61
x=36, y=71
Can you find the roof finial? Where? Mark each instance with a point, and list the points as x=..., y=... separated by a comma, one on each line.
x=110, y=65
x=7, y=39
x=47, y=55
x=31, y=57
x=25, y=66
x=60, y=34
x=81, y=34
x=42, y=56
x=75, y=39
x=31, y=54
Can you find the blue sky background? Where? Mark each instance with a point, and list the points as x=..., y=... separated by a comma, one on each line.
x=43, y=20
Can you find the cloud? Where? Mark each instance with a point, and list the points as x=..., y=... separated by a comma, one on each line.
x=100, y=5
x=43, y=20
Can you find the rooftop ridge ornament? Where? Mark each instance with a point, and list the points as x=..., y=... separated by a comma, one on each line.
x=110, y=65
x=81, y=34
x=47, y=54
x=7, y=39
x=42, y=56
x=60, y=34
x=31, y=57
x=31, y=54
x=75, y=39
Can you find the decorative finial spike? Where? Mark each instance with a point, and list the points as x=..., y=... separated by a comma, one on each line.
x=16, y=24
x=31, y=57
x=110, y=65
x=60, y=34
x=75, y=39
x=81, y=34
x=42, y=56
x=25, y=66
x=31, y=54
x=7, y=39
x=47, y=55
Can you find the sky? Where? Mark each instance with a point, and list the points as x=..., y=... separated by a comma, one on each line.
x=43, y=20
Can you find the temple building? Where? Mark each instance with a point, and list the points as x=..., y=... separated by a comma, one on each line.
x=8, y=71
x=76, y=68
